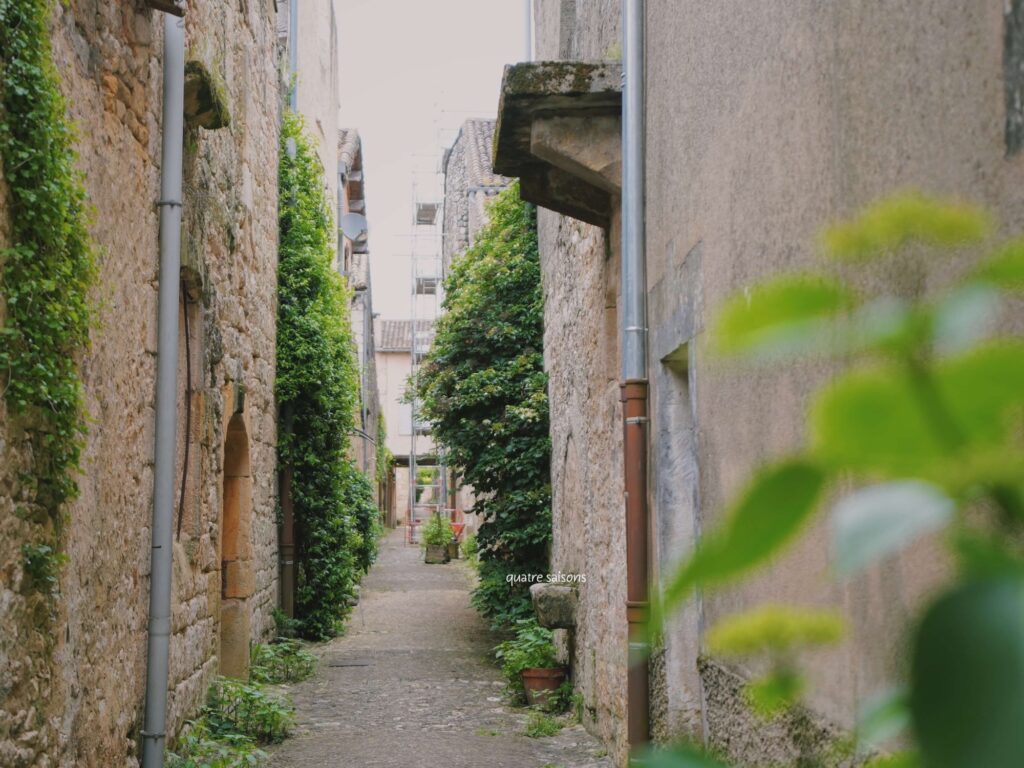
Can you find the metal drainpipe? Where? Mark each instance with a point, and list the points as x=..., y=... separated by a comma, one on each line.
x=154, y=728
x=528, y=23
x=293, y=52
x=633, y=328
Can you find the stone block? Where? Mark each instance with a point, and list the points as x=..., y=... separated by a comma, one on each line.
x=234, y=639
x=555, y=605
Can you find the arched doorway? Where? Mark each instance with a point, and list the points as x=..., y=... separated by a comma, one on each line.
x=236, y=570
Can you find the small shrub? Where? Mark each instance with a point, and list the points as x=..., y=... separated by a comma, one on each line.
x=284, y=661
x=531, y=647
x=469, y=549
x=286, y=626
x=540, y=725
x=563, y=699
x=236, y=708
x=199, y=749
x=437, y=531
x=42, y=564
x=502, y=603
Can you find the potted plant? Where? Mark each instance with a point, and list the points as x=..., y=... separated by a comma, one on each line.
x=453, y=548
x=437, y=532
x=530, y=664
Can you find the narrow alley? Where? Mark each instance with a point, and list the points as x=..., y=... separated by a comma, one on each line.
x=511, y=384
x=411, y=683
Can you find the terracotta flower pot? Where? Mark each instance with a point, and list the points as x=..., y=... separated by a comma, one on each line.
x=540, y=682
x=436, y=553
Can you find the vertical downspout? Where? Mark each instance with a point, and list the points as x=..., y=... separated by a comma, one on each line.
x=155, y=725
x=528, y=22
x=293, y=53
x=286, y=545
x=633, y=328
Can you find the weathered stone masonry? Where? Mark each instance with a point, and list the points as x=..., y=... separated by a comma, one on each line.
x=80, y=704
x=764, y=121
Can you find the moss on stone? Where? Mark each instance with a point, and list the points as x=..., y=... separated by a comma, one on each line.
x=552, y=77
x=206, y=97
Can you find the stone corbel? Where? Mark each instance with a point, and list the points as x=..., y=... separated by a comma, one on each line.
x=554, y=604
x=559, y=131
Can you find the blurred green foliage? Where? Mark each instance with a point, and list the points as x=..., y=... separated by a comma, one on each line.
x=925, y=420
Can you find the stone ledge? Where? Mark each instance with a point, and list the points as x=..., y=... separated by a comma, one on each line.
x=555, y=605
x=559, y=131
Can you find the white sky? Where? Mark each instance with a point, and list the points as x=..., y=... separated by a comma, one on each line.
x=411, y=72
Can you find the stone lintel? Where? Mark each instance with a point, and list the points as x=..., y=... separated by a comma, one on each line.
x=559, y=132
x=554, y=604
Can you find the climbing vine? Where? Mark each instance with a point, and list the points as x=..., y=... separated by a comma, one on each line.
x=385, y=458
x=48, y=269
x=484, y=390
x=317, y=391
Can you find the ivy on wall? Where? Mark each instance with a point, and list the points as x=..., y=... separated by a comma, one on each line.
x=484, y=390
x=385, y=458
x=317, y=391
x=48, y=269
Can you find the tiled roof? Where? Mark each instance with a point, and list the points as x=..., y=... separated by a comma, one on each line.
x=396, y=335
x=479, y=137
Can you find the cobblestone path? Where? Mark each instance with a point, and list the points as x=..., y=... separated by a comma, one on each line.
x=411, y=684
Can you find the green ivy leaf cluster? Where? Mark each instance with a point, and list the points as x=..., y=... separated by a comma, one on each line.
x=50, y=266
x=317, y=392
x=385, y=458
x=927, y=423
x=484, y=390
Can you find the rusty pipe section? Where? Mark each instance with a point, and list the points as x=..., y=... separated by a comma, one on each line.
x=634, y=419
x=633, y=343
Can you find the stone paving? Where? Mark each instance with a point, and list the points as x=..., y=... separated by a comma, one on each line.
x=412, y=684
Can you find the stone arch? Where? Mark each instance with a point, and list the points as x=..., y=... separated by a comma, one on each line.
x=236, y=563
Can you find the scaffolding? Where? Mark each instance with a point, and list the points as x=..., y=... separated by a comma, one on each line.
x=428, y=476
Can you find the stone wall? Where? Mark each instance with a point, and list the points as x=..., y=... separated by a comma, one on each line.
x=455, y=224
x=72, y=684
x=764, y=122
x=580, y=266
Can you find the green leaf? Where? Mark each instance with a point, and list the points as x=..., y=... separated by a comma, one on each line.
x=1005, y=269
x=888, y=224
x=676, y=757
x=779, y=316
x=871, y=421
x=770, y=513
x=965, y=318
x=882, y=717
x=776, y=692
x=981, y=386
x=774, y=629
x=878, y=420
x=877, y=521
x=967, y=677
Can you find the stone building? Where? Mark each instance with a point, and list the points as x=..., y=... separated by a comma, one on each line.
x=312, y=51
x=763, y=122
x=394, y=366
x=354, y=263
x=469, y=183
x=72, y=678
